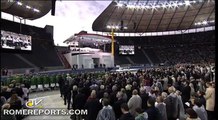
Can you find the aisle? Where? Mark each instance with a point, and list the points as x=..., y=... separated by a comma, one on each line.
x=51, y=99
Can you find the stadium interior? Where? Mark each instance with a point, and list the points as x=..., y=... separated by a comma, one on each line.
x=145, y=60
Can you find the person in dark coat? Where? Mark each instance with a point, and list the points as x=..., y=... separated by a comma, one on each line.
x=80, y=100
x=15, y=104
x=186, y=92
x=93, y=106
x=5, y=93
x=126, y=114
x=18, y=90
x=144, y=96
x=113, y=95
x=152, y=111
x=78, y=103
x=67, y=93
x=61, y=84
x=118, y=104
x=101, y=92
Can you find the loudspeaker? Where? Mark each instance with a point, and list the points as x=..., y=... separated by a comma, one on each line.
x=53, y=7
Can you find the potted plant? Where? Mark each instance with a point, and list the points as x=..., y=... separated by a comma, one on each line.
x=53, y=81
x=40, y=83
x=33, y=83
x=46, y=81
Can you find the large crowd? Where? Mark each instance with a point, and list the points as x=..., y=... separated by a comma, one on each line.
x=184, y=92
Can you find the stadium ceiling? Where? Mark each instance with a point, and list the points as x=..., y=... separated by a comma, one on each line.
x=155, y=16
x=26, y=9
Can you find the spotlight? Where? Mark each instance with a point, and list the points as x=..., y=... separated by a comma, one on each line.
x=175, y=4
x=19, y=3
x=147, y=6
x=180, y=4
x=204, y=22
x=164, y=6
x=187, y=3
x=108, y=26
x=36, y=10
x=119, y=4
x=28, y=7
x=157, y=6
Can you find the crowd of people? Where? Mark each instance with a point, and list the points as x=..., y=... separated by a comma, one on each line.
x=14, y=96
x=184, y=92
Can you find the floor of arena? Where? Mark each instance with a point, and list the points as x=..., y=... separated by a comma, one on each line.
x=51, y=99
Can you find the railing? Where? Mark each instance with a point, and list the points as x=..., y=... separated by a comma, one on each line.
x=63, y=60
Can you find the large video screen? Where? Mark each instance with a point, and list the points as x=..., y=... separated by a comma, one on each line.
x=15, y=41
x=126, y=50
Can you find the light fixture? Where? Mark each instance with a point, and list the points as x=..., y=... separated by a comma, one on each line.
x=212, y=21
x=175, y=4
x=36, y=10
x=115, y=27
x=153, y=5
x=28, y=7
x=19, y=3
x=157, y=6
x=180, y=3
x=108, y=26
x=204, y=22
x=147, y=6
x=119, y=4
x=187, y=3
x=138, y=6
x=193, y=1
x=143, y=7
x=130, y=6
x=164, y=6
x=169, y=5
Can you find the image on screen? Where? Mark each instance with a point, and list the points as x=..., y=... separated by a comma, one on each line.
x=126, y=50
x=15, y=41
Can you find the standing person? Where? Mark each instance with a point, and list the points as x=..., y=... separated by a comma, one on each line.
x=200, y=109
x=67, y=92
x=134, y=102
x=93, y=106
x=70, y=80
x=210, y=100
x=181, y=107
x=141, y=115
x=61, y=84
x=161, y=106
x=172, y=104
x=26, y=93
x=79, y=102
x=7, y=117
x=186, y=92
x=152, y=111
x=16, y=104
x=126, y=114
x=191, y=114
x=200, y=95
x=144, y=96
x=106, y=113
x=74, y=93
x=118, y=104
